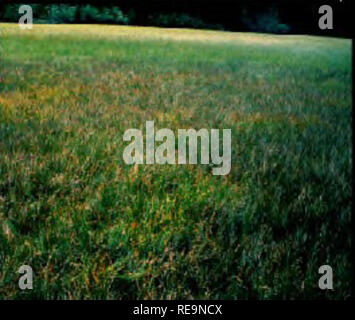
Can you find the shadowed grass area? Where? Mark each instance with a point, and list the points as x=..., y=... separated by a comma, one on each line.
x=94, y=227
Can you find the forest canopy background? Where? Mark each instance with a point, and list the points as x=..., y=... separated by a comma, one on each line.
x=284, y=17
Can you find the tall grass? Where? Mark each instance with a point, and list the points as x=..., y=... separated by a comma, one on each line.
x=93, y=227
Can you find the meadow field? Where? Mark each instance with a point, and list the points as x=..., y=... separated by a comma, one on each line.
x=93, y=227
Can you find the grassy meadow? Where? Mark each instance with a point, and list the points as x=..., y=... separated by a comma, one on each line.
x=92, y=227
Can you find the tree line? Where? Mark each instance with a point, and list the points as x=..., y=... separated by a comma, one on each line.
x=271, y=16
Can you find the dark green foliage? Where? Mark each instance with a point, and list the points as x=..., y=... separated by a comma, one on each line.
x=10, y=13
x=296, y=16
x=90, y=14
x=267, y=22
x=61, y=13
x=181, y=20
x=70, y=14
